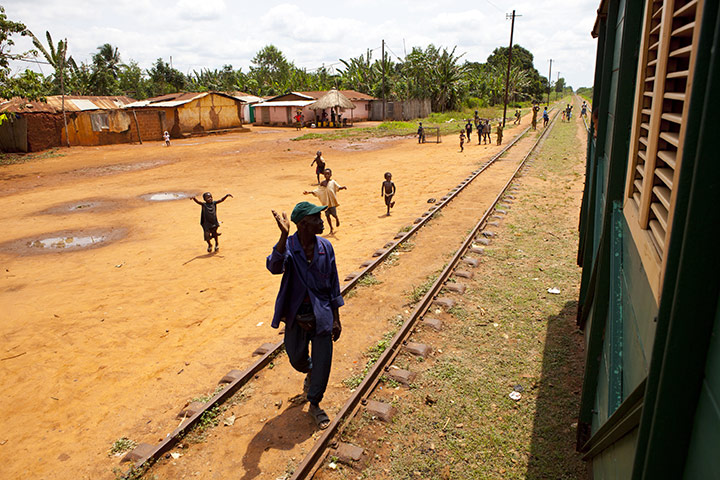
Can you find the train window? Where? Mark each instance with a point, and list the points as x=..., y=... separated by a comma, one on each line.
x=665, y=72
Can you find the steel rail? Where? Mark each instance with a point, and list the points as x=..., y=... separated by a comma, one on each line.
x=174, y=437
x=311, y=461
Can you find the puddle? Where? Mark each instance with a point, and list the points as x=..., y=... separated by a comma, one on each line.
x=64, y=241
x=83, y=205
x=67, y=242
x=165, y=196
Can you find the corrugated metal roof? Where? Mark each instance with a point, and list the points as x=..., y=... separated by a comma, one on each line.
x=350, y=94
x=175, y=99
x=291, y=103
x=73, y=103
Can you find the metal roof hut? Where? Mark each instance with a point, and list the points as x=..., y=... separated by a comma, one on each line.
x=333, y=99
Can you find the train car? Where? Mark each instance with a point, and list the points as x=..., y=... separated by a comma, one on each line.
x=649, y=248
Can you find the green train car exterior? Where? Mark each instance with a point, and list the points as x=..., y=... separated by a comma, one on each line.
x=649, y=248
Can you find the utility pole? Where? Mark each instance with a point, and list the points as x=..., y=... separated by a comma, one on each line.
x=383, y=80
x=558, y=79
x=549, y=83
x=507, y=76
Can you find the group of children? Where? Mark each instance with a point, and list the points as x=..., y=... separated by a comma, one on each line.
x=326, y=192
x=567, y=113
x=483, y=132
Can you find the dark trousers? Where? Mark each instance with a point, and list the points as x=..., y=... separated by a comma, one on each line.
x=297, y=342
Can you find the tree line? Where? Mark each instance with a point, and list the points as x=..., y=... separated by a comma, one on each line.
x=436, y=73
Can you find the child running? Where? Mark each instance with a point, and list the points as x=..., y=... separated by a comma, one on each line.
x=327, y=194
x=462, y=140
x=387, y=190
x=320, y=167
x=208, y=219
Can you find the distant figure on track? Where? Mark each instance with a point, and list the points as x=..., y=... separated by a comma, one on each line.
x=499, y=133
x=320, y=167
x=517, y=117
x=583, y=109
x=568, y=112
x=462, y=140
x=308, y=301
x=468, y=130
x=546, y=117
x=535, y=110
x=327, y=194
x=387, y=190
x=208, y=219
x=421, y=133
x=166, y=137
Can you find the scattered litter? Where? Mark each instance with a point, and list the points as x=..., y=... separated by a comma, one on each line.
x=332, y=465
x=229, y=421
x=259, y=324
x=438, y=311
x=176, y=455
x=518, y=388
x=431, y=200
x=515, y=395
x=553, y=290
x=278, y=404
x=119, y=265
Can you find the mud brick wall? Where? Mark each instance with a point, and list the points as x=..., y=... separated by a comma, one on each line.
x=150, y=123
x=44, y=130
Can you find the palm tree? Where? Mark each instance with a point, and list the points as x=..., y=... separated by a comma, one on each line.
x=57, y=58
x=106, y=69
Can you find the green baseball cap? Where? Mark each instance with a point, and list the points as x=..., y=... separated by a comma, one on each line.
x=303, y=209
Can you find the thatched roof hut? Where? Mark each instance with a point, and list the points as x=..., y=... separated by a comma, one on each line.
x=332, y=99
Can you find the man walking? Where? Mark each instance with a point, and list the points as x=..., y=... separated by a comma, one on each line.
x=308, y=300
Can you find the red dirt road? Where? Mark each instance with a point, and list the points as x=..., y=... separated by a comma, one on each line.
x=111, y=341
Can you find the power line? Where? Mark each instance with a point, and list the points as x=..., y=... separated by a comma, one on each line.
x=494, y=6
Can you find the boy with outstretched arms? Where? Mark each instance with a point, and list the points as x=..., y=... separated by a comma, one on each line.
x=327, y=194
x=208, y=219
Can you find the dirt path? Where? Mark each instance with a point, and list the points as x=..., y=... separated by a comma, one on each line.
x=100, y=343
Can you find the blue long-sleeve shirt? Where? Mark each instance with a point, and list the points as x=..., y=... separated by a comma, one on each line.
x=317, y=280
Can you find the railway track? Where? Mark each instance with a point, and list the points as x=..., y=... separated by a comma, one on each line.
x=146, y=455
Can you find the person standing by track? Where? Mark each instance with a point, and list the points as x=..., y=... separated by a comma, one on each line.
x=308, y=301
x=535, y=110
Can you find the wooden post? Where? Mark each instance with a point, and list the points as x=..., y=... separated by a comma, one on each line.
x=137, y=126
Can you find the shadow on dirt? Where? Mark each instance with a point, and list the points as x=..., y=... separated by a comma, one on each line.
x=552, y=449
x=293, y=426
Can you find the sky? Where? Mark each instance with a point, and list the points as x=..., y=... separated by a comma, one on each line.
x=201, y=34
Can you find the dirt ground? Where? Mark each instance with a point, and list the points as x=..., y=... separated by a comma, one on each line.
x=112, y=340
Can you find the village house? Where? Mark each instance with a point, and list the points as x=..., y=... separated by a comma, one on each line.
x=91, y=120
x=281, y=110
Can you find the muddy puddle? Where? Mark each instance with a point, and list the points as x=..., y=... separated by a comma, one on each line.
x=94, y=205
x=64, y=241
x=166, y=196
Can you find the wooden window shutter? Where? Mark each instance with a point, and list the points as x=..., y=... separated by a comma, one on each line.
x=665, y=71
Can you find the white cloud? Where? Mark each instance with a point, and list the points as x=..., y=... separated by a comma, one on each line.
x=211, y=33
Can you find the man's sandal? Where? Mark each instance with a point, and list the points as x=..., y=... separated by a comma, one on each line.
x=321, y=419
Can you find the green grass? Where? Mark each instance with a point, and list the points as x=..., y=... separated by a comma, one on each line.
x=458, y=420
x=17, y=158
x=448, y=122
x=368, y=280
x=372, y=354
x=419, y=291
x=121, y=445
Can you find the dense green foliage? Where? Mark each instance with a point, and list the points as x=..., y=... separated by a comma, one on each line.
x=436, y=73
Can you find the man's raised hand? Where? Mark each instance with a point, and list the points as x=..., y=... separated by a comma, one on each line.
x=282, y=222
